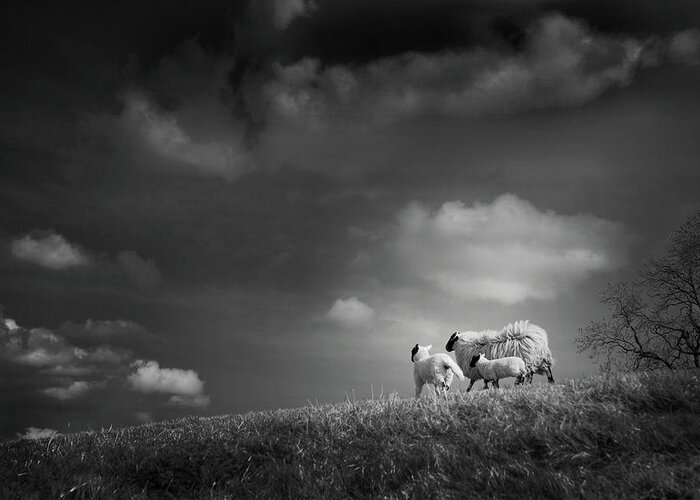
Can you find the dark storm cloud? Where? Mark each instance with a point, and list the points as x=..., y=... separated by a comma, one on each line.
x=563, y=62
x=640, y=18
x=197, y=110
x=377, y=62
x=343, y=32
x=67, y=64
x=556, y=62
x=65, y=60
x=203, y=102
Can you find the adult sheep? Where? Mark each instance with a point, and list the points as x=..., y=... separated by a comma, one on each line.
x=521, y=339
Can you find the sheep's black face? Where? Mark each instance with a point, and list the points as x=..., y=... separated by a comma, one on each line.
x=414, y=351
x=450, y=346
x=472, y=363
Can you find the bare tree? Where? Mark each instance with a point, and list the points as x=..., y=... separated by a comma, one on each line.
x=655, y=320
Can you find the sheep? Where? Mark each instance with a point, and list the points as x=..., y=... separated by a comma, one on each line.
x=496, y=369
x=521, y=338
x=436, y=370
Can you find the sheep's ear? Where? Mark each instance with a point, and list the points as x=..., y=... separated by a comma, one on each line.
x=428, y=347
x=414, y=351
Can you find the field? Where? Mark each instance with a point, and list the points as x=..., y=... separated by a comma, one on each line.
x=623, y=436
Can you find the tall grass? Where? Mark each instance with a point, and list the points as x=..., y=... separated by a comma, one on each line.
x=623, y=436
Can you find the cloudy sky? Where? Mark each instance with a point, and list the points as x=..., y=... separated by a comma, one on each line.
x=235, y=206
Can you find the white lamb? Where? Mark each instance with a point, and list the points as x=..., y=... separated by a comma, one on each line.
x=436, y=370
x=495, y=369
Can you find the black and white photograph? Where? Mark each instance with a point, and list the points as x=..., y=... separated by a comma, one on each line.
x=333, y=249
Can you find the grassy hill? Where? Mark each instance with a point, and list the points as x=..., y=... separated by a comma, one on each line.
x=624, y=436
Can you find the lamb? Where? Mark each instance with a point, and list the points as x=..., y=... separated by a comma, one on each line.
x=521, y=339
x=496, y=369
x=436, y=370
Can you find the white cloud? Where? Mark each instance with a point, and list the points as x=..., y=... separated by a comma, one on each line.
x=286, y=11
x=182, y=119
x=51, y=250
x=150, y=377
x=162, y=133
x=81, y=363
x=351, y=313
x=54, y=354
x=76, y=389
x=39, y=347
x=143, y=273
x=506, y=251
x=11, y=324
x=563, y=63
x=38, y=433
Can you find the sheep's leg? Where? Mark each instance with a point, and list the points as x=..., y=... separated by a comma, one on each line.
x=486, y=384
x=448, y=380
x=495, y=383
x=419, y=387
x=550, y=377
x=439, y=383
x=471, y=383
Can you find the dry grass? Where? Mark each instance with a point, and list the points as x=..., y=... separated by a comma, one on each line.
x=625, y=436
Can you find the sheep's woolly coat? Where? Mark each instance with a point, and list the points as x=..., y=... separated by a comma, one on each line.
x=496, y=369
x=521, y=339
x=436, y=370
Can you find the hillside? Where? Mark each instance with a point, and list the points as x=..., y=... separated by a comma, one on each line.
x=624, y=436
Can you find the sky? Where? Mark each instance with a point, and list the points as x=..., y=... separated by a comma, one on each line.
x=239, y=206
